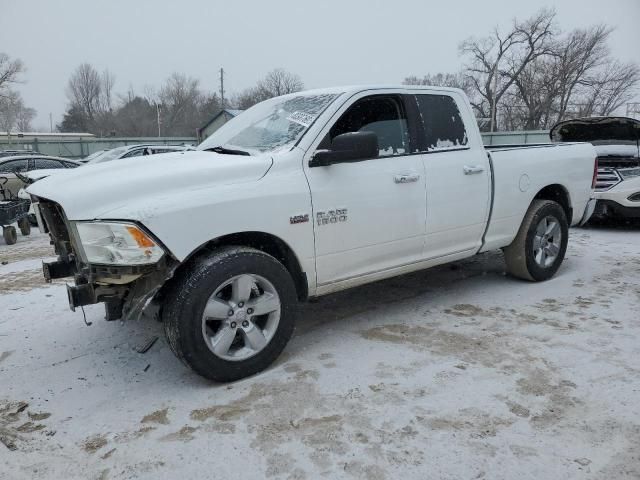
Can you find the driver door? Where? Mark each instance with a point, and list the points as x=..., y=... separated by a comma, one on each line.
x=369, y=215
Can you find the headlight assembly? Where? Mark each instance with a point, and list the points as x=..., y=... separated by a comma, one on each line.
x=629, y=172
x=110, y=243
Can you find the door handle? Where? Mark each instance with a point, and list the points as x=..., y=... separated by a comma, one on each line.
x=470, y=170
x=406, y=178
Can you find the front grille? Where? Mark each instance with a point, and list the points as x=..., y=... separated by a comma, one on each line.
x=606, y=179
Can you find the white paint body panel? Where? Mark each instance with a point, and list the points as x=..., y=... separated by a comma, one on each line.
x=621, y=192
x=190, y=198
x=568, y=165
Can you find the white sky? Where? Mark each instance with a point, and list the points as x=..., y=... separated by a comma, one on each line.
x=326, y=42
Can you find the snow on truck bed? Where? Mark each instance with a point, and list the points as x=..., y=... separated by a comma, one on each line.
x=454, y=372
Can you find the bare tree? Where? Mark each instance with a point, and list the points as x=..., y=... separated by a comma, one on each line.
x=275, y=83
x=180, y=97
x=454, y=80
x=24, y=118
x=610, y=88
x=534, y=75
x=248, y=98
x=496, y=61
x=10, y=71
x=107, y=81
x=14, y=115
x=280, y=82
x=84, y=91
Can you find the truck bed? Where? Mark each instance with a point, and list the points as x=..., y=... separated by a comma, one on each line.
x=519, y=172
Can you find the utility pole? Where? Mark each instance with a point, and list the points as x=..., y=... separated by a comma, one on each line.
x=222, y=87
x=158, y=116
x=50, y=122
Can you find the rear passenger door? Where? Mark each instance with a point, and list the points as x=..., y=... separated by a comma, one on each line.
x=458, y=180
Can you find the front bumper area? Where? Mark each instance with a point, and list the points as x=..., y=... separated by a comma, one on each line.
x=125, y=290
x=610, y=208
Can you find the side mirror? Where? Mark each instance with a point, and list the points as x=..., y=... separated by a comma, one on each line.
x=348, y=147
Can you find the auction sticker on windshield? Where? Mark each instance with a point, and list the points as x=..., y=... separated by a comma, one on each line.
x=302, y=118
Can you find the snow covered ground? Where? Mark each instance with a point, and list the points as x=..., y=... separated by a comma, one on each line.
x=458, y=372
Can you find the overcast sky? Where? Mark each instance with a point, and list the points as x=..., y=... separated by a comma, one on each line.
x=325, y=42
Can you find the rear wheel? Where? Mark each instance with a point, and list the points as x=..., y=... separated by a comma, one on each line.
x=231, y=313
x=10, y=235
x=540, y=245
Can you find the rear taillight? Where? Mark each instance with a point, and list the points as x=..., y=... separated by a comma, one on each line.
x=595, y=174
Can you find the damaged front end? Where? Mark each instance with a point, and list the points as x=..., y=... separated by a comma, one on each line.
x=117, y=263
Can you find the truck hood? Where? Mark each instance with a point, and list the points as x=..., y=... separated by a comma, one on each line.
x=92, y=191
x=598, y=131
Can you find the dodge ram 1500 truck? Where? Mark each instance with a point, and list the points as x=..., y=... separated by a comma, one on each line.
x=301, y=196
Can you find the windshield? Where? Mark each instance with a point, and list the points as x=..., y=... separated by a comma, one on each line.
x=271, y=125
x=109, y=155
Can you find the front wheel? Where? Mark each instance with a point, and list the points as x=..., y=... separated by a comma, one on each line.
x=540, y=245
x=230, y=313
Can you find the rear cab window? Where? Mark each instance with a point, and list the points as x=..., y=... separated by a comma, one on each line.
x=442, y=123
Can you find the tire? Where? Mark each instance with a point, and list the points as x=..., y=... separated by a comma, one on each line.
x=212, y=280
x=25, y=226
x=10, y=235
x=535, y=257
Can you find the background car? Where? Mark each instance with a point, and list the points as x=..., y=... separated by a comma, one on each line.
x=9, y=181
x=136, y=151
x=13, y=153
x=617, y=143
x=90, y=157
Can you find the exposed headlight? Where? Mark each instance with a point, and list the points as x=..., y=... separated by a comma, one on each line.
x=629, y=172
x=117, y=244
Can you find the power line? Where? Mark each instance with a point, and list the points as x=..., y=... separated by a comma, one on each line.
x=222, y=87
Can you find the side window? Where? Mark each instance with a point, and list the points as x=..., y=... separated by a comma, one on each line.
x=13, y=166
x=70, y=164
x=47, y=163
x=135, y=153
x=383, y=115
x=442, y=121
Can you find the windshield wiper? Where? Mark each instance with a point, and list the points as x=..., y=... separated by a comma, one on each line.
x=227, y=151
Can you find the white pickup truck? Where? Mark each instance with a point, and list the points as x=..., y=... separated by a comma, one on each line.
x=301, y=196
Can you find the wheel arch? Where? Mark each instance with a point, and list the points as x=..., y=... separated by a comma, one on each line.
x=557, y=193
x=265, y=242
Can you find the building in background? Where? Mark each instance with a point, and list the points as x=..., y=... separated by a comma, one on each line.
x=215, y=122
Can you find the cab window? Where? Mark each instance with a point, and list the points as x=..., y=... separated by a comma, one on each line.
x=443, y=125
x=383, y=115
